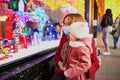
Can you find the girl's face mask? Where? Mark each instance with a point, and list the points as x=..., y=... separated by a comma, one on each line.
x=66, y=30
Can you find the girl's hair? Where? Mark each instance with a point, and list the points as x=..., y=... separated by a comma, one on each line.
x=73, y=17
x=108, y=11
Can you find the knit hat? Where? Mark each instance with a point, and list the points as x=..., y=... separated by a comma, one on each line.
x=79, y=29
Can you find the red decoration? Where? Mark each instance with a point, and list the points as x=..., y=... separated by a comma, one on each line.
x=0, y=30
x=24, y=41
x=33, y=25
x=4, y=0
x=8, y=30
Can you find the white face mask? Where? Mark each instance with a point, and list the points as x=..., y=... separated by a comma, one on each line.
x=66, y=30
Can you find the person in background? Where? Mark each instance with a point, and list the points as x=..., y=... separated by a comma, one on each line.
x=106, y=22
x=69, y=19
x=116, y=35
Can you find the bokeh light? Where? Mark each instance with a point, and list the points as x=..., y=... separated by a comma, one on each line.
x=114, y=5
x=55, y=4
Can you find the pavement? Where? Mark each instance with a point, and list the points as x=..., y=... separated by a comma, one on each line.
x=110, y=64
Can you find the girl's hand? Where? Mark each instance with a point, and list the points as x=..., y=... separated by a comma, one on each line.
x=60, y=64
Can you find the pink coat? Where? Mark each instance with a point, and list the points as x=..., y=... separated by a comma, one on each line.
x=82, y=55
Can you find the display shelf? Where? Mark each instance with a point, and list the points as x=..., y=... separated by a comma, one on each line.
x=41, y=49
x=38, y=69
x=35, y=62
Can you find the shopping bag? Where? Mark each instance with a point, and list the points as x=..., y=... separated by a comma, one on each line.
x=110, y=29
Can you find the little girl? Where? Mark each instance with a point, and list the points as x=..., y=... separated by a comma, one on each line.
x=80, y=50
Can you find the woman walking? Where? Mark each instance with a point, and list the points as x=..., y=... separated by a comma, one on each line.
x=107, y=21
x=116, y=35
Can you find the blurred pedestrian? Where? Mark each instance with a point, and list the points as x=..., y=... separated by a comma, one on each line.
x=116, y=27
x=106, y=24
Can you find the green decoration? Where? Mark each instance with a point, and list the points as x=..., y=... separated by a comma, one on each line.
x=27, y=30
x=14, y=4
x=3, y=29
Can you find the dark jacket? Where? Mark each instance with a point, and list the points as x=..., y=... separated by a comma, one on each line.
x=94, y=60
x=107, y=20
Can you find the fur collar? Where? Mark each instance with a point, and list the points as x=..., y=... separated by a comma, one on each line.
x=76, y=44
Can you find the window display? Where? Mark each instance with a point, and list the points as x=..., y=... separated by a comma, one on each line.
x=23, y=34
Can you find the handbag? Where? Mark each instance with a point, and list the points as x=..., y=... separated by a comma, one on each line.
x=113, y=32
